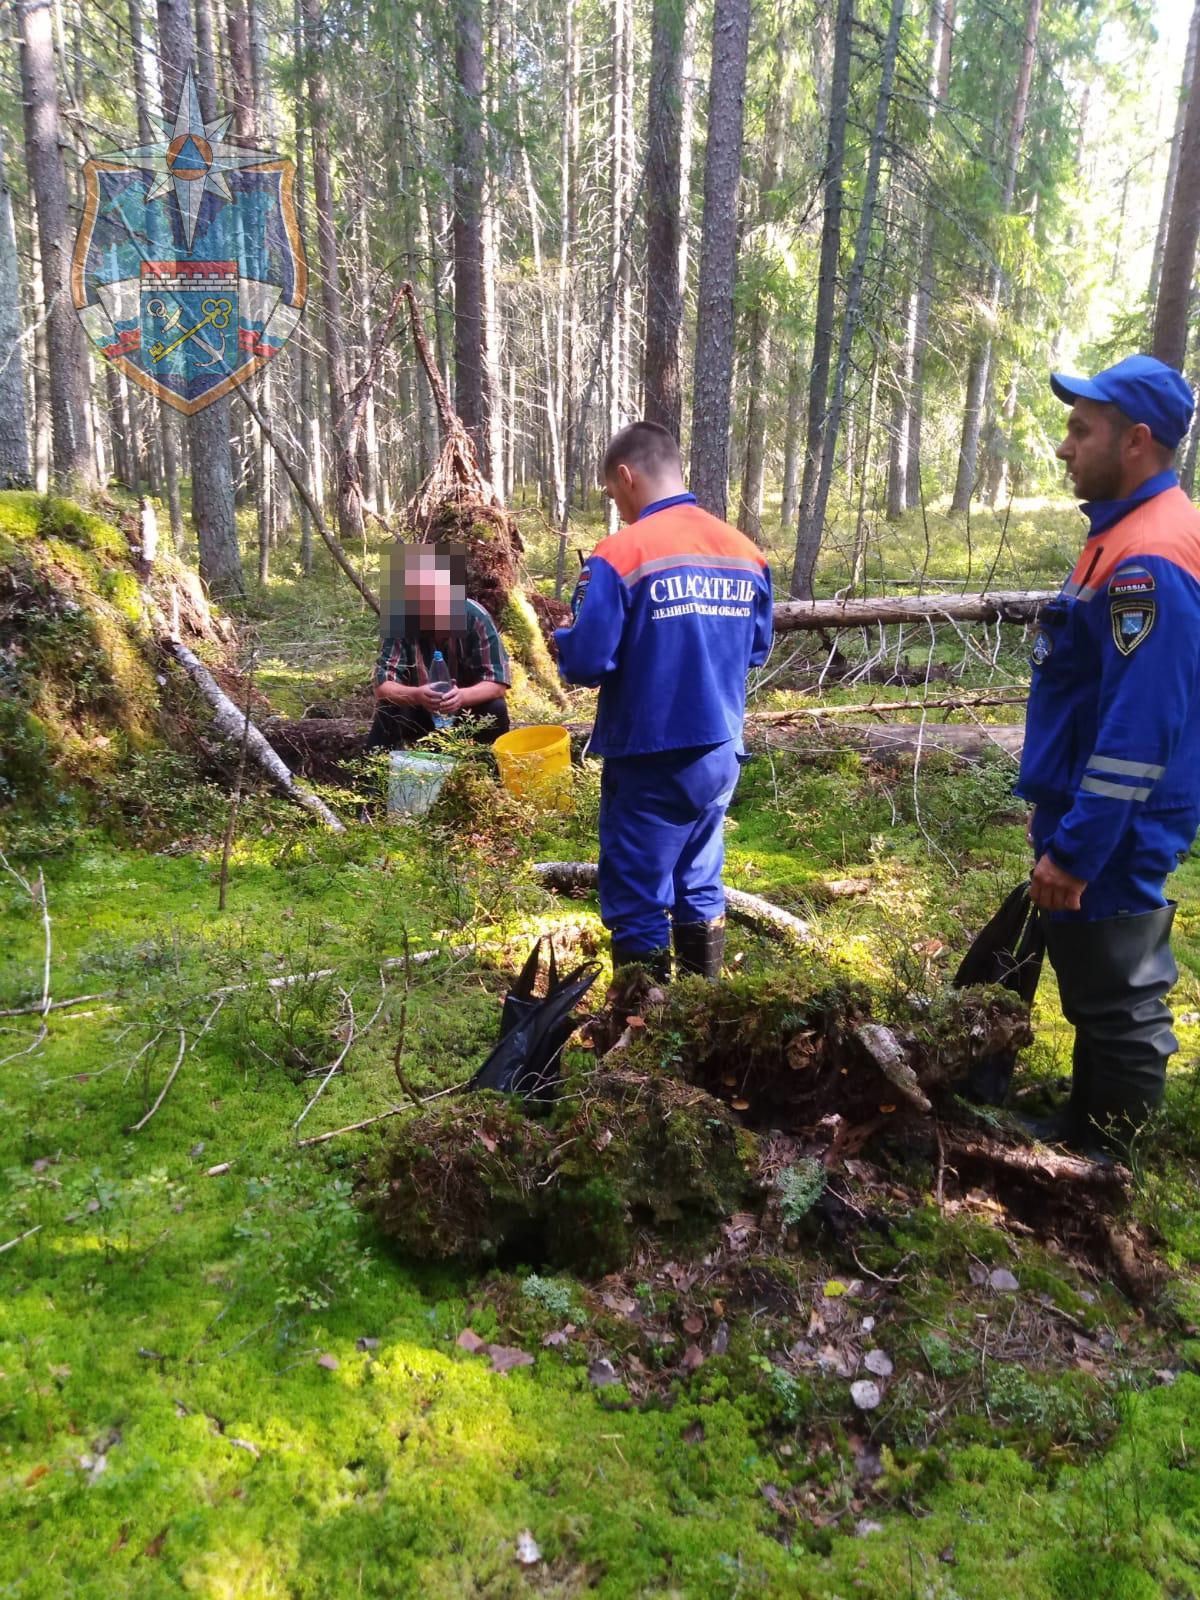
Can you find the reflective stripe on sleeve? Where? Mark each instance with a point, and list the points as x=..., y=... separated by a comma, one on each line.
x=1124, y=769
x=1114, y=791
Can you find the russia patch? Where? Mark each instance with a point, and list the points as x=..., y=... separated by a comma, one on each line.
x=1131, y=581
x=1132, y=621
x=1042, y=646
x=585, y=577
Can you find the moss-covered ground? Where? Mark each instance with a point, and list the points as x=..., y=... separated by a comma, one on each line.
x=218, y=1378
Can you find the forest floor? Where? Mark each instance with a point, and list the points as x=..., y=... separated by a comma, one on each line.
x=219, y=1378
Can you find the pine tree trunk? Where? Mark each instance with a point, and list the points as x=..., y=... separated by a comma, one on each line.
x=981, y=359
x=1179, y=247
x=759, y=337
x=348, y=486
x=468, y=227
x=850, y=315
x=14, y=433
x=209, y=430
x=43, y=449
x=898, y=434
x=629, y=408
x=861, y=530
x=791, y=438
x=718, y=253
x=73, y=455
x=664, y=288
x=568, y=300
x=1185, y=97
x=617, y=152
x=941, y=33
x=808, y=529
x=493, y=337
x=164, y=424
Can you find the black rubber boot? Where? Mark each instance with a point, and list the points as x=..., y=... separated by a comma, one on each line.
x=700, y=948
x=1067, y=1123
x=656, y=962
x=1113, y=976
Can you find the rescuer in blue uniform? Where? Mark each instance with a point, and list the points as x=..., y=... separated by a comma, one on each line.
x=1112, y=747
x=669, y=614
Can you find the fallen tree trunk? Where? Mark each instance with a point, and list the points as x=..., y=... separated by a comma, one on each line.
x=893, y=738
x=315, y=746
x=1018, y=605
x=233, y=725
x=950, y=702
x=567, y=877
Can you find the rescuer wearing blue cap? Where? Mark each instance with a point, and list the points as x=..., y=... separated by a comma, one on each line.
x=1112, y=747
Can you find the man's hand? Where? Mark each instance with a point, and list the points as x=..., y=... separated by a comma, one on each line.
x=445, y=703
x=1053, y=889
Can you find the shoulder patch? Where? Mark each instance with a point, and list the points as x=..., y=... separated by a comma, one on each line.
x=1132, y=621
x=1130, y=581
x=585, y=577
x=1041, y=649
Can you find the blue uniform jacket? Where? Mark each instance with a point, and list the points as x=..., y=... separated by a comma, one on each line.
x=1113, y=726
x=670, y=613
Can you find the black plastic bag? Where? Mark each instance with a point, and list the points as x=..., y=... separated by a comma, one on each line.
x=534, y=1031
x=1009, y=951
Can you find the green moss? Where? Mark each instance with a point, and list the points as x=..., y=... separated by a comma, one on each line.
x=80, y=692
x=524, y=641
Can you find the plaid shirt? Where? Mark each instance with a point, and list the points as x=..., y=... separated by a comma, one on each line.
x=476, y=656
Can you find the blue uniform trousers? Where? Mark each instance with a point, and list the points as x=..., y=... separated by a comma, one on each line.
x=1132, y=879
x=662, y=842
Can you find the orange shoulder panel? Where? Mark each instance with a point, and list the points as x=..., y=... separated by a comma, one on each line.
x=685, y=532
x=1167, y=525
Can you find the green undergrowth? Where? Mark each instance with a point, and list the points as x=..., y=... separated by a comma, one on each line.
x=184, y=1405
x=219, y=1376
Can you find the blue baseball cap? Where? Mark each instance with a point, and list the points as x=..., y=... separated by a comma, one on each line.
x=1147, y=390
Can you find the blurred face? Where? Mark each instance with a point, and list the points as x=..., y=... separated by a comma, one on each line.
x=621, y=486
x=423, y=591
x=1095, y=450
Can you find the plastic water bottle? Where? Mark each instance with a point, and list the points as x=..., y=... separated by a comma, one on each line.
x=439, y=680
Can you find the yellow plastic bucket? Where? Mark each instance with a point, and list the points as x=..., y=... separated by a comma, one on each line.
x=535, y=763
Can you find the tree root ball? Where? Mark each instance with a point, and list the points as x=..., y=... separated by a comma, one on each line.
x=656, y=1137
x=622, y=1152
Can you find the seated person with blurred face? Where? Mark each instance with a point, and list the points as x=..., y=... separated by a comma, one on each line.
x=425, y=608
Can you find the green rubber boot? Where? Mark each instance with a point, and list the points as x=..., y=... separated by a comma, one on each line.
x=1113, y=977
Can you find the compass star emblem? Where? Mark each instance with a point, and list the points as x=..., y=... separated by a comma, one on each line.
x=191, y=157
